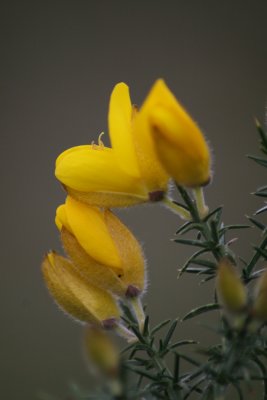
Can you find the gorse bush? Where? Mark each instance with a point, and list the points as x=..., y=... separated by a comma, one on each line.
x=101, y=280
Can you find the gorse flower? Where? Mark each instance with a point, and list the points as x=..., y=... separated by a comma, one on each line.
x=103, y=250
x=123, y=175
x=75, y=295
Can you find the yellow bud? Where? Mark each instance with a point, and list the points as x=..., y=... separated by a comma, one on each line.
x=101, y=352
x=260, y=302
x=102, y=248
x=77, y=297
x=178, y=142
x=232, y=292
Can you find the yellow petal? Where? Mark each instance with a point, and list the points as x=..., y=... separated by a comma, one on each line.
x=67, y=152
x=88, y=226
x=61, y=218
x=95, y=169
x=120, y=129
x=78, y=298
x=151, y=169
x=130, y=252
x=96, y=273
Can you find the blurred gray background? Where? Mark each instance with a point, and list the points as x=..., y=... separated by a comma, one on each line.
x=59, y=63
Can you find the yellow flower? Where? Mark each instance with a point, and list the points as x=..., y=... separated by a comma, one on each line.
x=103, y=250
x=76, y=296
x=232, y=292
x=113, y=177
x=163, y=129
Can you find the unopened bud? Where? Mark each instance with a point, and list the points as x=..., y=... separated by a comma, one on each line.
x=231, y=290
x=101, y=352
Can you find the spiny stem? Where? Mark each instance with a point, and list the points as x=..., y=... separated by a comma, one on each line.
x=195, y=210
x=152, y=351
x=159, y=362
x=181, y=211
x=216, y=250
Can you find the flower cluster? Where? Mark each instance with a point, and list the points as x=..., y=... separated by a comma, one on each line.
x=105, y=265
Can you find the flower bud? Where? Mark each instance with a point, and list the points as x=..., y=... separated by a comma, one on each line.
x=177, y=141
x=232, y=292
x=103, y=250
x=101, y=352
x=78, y=298
x=260, y=302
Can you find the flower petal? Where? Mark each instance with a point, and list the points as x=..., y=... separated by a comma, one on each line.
x=120, y=129
x=88, y=226
x=61, y=218
x=94, y=168
x=151, y=169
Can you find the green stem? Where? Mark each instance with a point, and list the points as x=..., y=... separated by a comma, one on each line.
x=181, y=211
x=216, y=249
x=202, y=208
x=155, y=357
x=160, y=364
x=137, y=307
x=196, y=208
